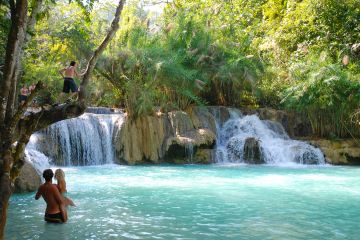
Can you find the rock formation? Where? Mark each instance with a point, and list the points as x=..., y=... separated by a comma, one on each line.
x=340, y=152
x=252, y=151
x=29, y=180
x=173, y=137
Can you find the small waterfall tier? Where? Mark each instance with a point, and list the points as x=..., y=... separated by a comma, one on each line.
x=81, y=141
x=247, y=139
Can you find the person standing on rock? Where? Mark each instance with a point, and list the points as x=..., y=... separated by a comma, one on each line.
x=55, y=211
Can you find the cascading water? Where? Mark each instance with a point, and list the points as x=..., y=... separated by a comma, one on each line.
x=247, y=139
x=86, y=140
x=37, y=158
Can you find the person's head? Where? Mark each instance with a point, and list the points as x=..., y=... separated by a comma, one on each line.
x=48, y=175
x=59, y=174
x=72, y=63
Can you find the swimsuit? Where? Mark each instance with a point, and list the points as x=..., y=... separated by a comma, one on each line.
x=69, y=84
x=54, y=217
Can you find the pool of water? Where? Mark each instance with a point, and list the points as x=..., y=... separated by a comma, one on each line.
x=199, y=202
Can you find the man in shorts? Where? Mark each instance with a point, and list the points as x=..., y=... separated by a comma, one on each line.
x=55, y=211
x=68, y=74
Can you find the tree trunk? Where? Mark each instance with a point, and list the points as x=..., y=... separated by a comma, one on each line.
x=13, y=49
x=5, y=189
x=28, y=28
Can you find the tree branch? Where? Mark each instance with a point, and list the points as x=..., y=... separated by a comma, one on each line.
x=92, y=62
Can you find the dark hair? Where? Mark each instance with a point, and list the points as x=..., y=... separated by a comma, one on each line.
x=48, y=174
x=72, y=63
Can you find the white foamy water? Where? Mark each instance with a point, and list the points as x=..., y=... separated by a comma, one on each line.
x=86, y=140
x=37, y=158
x=276, y=147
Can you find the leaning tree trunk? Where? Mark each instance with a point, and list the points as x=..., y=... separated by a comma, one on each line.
x=92, y=62
x=14, y=44
x=17, y=128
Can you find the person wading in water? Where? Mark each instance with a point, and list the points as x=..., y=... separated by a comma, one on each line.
x=55, y=211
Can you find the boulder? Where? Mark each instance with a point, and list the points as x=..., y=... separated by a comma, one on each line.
x=29, y=180
x=252, y=151
x=183, y=147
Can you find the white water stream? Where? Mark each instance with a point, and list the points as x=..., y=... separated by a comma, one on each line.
x=276, y=147
x=88, y=140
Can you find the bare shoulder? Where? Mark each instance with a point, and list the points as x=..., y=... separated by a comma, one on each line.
x=41, y=187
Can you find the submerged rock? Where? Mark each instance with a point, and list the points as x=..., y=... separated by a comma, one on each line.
x=252, y=151
x=29, y=180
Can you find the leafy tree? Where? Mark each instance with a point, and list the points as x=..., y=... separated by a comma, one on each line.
x=15, y=128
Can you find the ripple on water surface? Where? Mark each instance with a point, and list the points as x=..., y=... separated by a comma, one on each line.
x=199, y=202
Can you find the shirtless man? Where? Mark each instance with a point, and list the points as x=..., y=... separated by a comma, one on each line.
x=68, y=74
x=24, y=92
x=55, y=212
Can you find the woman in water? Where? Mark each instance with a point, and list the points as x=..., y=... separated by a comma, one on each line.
x=61, y=185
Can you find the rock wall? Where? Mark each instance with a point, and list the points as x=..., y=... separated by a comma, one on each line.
x=177, y=137
x=190, y=137
x=340, y=152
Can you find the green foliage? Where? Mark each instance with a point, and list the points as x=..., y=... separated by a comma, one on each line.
x=4, y=31
x=328, y=92
x=258, y=53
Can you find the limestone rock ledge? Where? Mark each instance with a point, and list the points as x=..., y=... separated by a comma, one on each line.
x=339, y=152
x=175, y=137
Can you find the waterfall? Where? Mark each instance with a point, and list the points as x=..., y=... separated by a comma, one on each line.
x=266, y=140
x=189, y=152
x=37, y=158
x=85, y=140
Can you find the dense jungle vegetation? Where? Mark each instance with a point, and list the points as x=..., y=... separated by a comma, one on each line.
x=299, y=55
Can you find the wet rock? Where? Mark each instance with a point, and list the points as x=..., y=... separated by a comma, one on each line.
x=252, y=151
x=339, y=152
x=29, y=180
x=220, y=113
x=185, y=145
x=235, y=149
x=295, y=124
x=204, y=156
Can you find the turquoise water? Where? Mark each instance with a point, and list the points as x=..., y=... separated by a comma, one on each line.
x=199, y=202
